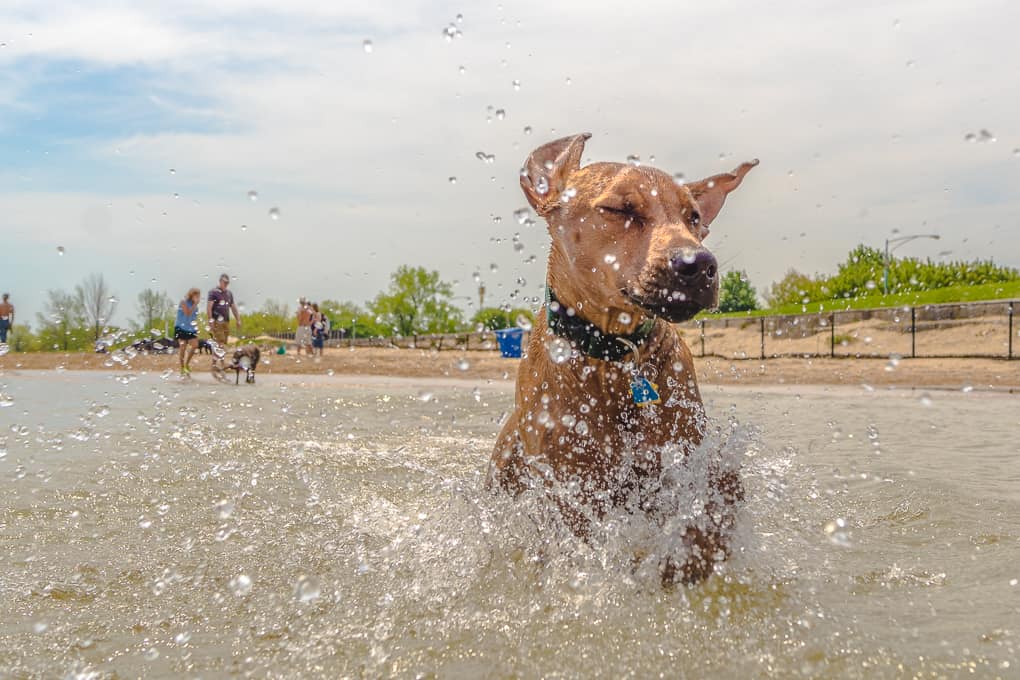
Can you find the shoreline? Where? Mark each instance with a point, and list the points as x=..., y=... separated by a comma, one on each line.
x=373, y=365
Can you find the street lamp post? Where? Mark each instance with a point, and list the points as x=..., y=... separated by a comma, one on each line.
x=899, y=241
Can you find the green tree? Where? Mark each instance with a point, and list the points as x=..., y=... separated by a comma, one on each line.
x=96, y=302
x=62, y=324
x=796, y=288
x=352, y=319
x=495, y=318
x=736, y=294
x=417, y=302
x=155, y=310
x=273, y=317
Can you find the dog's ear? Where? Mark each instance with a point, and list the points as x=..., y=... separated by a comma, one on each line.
x=544, y=175
x=710, y=193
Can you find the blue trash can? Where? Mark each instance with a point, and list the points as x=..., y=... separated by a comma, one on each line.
x=510, y=342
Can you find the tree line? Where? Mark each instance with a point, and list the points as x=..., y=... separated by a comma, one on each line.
x=418, y=302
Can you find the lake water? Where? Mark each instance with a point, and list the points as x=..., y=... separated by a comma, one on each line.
x=338, y=528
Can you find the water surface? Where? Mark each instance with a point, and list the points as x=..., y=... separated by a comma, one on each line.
x=338, y=528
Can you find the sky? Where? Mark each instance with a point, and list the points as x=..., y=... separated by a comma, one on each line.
x=132, y=135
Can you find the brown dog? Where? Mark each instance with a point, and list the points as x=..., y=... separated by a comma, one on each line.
x=607, y=382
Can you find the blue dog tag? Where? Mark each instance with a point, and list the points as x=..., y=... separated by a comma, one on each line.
x=643, y=391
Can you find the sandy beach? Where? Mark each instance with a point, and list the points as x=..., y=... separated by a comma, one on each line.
x=954, y=374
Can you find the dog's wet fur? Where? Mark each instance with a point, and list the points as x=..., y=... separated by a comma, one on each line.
x=626, y=247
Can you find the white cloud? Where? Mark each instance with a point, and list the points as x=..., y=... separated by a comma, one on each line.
x=356, y=148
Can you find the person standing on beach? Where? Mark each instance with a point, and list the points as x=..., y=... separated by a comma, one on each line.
x=318, y=330
x=221, y=304
x=186, y=328
x=6, y=317
x=303, y=336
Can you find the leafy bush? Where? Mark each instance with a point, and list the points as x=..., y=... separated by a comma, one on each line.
x=736, y=294
x=495, y=318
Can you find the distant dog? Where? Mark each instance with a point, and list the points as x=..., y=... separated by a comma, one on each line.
x=245, y=359
x=608, y=382
x=204, y=346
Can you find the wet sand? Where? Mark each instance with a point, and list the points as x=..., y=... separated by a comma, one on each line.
x=942, y=373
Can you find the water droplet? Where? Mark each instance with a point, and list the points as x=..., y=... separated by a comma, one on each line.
x=307, y=589
x=253, y=195
x=463, y=364
x=925, y=399
x=870, y=285
x=486, y=158
x=493, y=267
x=244, y=227
x=837, y=532
x=688, y=255
x=500, y=114
x=517, y=86
x=172, y=171
x=625, y=318
x=679, y=179
x=182, y=638
x=425, y=396
x=527, y=131
x=523, y=322
x=274, y=213
x=452, y=180
x=559, y=350
x=609, y=258
x=6, y=400
x=240, y=585
x=40, y=626
x=224, y=508
x=569, y=81
x=634, y=160
x=60, y=250
x=522, y=215
x=568, y=194
x=367, y=46
x=542, y=186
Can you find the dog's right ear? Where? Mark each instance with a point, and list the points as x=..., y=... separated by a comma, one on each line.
x=544, y=175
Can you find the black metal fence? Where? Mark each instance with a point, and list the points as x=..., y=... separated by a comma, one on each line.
x=964, y=330
x=978, y=329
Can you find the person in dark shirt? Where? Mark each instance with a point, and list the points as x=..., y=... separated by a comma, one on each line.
x=218, y=309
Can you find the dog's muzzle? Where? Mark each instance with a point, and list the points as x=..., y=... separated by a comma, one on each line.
x=687, y=284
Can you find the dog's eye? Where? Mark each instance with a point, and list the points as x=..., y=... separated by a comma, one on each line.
x=625, y=211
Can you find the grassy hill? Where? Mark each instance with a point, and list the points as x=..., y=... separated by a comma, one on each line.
x=985, y=292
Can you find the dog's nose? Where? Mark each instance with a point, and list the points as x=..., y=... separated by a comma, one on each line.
x=693, y=263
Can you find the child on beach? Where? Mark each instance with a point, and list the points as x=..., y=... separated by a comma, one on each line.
x=186, y=328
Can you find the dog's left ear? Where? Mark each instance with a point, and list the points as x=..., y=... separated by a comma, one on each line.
x=710, y=193
x=544, y=175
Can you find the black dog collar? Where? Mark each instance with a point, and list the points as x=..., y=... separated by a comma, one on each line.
x=587, y=337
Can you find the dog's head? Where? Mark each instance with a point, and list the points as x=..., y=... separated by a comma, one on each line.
x=626, y=239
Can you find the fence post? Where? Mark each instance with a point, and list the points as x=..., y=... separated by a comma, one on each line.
x=913, y=332
x=832, y=335
x=1009, y=348
x=702, y=324
x=763, y=338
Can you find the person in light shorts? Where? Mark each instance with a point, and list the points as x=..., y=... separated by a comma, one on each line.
x=303, y=334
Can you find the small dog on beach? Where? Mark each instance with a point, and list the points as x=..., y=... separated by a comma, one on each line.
x=204, y=346
x=245, y=359
x=607, y=382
